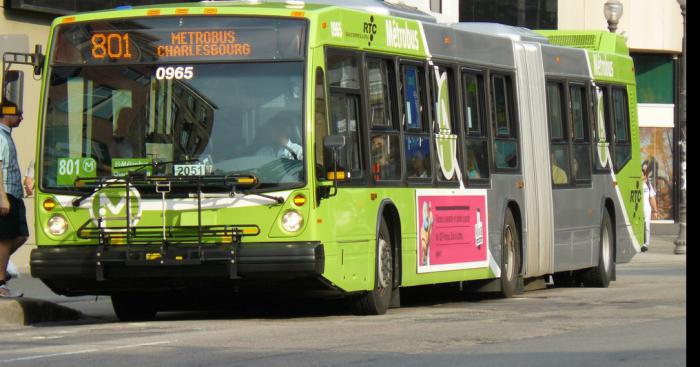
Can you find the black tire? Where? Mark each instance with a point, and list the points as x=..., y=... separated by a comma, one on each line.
x=378, y=300
x=601, y=275
x=133, y=307
x=510, y=260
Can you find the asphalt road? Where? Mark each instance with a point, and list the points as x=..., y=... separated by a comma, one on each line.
x=640, y=320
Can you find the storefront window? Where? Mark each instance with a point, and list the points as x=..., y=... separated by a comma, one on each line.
x=657, y=153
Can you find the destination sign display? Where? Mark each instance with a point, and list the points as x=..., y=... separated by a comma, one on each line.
x=147, y=40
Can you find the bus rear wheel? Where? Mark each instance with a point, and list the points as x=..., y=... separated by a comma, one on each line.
x=134, y=307
x=377, y=301
x=601, y=275
x=510, y=262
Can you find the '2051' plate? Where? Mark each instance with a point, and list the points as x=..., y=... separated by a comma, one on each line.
x=189, y=170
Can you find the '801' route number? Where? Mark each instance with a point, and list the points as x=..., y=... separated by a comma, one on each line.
x=174, y=72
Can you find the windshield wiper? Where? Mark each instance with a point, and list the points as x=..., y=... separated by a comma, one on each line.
x=246, y=192
x=277, y=199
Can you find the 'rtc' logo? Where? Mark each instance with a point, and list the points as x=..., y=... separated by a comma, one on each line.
x=370, y=29
x=636, y=198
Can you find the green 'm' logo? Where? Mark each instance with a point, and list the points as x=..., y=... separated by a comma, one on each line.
x=110, y=204
x=446, y=141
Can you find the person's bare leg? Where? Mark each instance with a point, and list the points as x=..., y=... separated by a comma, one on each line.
x=5, y=248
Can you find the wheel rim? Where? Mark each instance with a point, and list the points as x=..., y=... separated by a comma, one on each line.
x=508, y=242
x=384, y=264
x=606, y=248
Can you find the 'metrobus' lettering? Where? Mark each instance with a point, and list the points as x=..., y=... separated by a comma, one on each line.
x=603, y=67
x=401, y=36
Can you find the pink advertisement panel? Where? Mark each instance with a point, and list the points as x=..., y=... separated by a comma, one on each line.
x=452, y=232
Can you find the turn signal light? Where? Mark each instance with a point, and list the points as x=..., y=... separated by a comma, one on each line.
x=48, y=205
x=299, y=200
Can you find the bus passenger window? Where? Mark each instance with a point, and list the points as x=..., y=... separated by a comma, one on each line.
x=602, y=128
x=413, y=86
x=449, y=108
x=623, y=144
x=558, y=134
x=344, y=80
x=344, y=114
x=476, y=139
x=502, y=112
x=581, y=166
x=380, y=75
x=416, y=138
x=386, y=159
x=343, y=72
x=477, y=159
x=506, y=140
x=560, y=159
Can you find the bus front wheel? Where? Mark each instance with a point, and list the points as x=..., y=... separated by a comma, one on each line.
x=377, y=301
x=510, y=262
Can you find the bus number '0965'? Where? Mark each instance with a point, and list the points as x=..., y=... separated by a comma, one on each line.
x=174, y=72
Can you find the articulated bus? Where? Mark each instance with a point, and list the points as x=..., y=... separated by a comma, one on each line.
x=349, y=148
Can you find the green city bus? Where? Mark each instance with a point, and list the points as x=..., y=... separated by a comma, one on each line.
x=349, y=148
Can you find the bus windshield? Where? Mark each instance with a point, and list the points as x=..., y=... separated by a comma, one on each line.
x=204, y=117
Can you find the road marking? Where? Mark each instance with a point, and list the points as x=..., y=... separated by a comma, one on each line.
x=48, y=356
x=85, y=351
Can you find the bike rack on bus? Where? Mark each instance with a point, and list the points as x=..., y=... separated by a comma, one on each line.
x=171, y=239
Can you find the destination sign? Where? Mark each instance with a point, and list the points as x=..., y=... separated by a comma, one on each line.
x=145, y=40
x=208, y=43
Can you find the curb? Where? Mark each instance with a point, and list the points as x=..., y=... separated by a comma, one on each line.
x=28, y=311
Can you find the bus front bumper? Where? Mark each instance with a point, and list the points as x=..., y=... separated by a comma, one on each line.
x=75, y=270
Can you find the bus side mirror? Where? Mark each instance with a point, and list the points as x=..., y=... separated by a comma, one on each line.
x=334, y=142
x=13, y=87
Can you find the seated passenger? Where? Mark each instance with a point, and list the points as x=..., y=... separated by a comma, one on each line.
x=380, y=158
x=472, y=165
x=419, y=166
x=559, y=176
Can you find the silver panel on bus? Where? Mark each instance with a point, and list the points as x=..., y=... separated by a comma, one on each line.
x=538, y=223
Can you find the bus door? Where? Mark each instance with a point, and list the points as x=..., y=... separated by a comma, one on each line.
x=538, y=214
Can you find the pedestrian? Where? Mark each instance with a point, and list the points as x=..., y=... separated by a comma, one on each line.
x=650, y=208
x=13, y=222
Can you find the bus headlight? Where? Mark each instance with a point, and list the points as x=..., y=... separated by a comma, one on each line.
x=57, y=225
x=292, y=221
